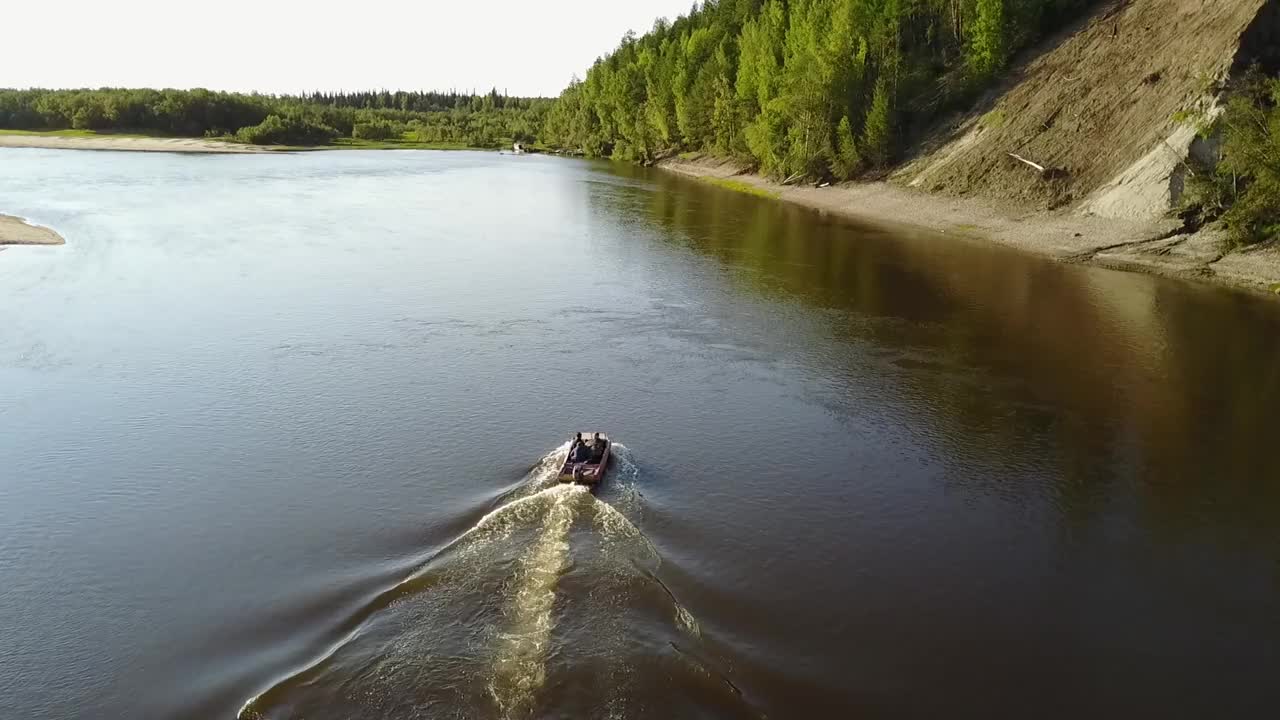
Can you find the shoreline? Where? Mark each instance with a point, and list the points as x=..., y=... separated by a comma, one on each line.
x=207, y=146
x=17, y=231
x=1150, y=247
x=130, y=144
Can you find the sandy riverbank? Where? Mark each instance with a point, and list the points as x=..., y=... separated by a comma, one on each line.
x=16, y=231
x=133, y=144
x=1141, y=246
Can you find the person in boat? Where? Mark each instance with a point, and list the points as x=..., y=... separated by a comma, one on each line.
x=580, y=452
x=597, y=448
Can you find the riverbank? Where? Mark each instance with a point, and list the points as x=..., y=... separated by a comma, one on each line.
x=71, y=140
x=16, y=231
x=131, y=143
x=1149, y=246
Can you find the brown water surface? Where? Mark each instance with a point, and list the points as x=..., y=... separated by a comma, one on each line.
x=268, y=424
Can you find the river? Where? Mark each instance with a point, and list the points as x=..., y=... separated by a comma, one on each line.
x=278, y=437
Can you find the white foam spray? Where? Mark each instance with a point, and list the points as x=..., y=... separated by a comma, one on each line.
x=519, y=668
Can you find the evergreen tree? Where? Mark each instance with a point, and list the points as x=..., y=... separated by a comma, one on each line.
x=847, y=161
x=877, y=133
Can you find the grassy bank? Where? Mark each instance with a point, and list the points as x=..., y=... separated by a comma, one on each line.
x=401, y=144
x=742, y=187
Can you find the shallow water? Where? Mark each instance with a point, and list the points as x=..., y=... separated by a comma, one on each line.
x=268, y=425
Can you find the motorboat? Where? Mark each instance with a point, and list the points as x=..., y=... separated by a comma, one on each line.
x=589, y=455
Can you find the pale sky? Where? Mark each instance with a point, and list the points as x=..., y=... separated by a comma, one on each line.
x=288, y=46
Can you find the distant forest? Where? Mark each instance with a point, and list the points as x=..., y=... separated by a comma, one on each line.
x=805, y=88
x=451, y=118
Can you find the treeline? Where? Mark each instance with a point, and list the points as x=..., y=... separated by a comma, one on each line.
x=482, y=128
x=423, y=102
x=316, y=119
x=817, y=88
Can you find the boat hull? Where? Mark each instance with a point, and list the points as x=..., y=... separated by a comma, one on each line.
x=587, y=473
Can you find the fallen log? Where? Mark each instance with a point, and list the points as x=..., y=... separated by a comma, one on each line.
x=1039, y=168
x=1048, y=173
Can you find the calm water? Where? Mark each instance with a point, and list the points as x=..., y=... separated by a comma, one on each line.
x=276, y=437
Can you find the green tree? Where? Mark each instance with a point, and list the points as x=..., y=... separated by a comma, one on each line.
x=847, y=161
x=987, y=50
x=760, y=61
x=90, y=116
x=694, y=89
x=877, y=133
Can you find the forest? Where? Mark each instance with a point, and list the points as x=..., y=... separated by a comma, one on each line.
x=487, y=120
x=798, y=88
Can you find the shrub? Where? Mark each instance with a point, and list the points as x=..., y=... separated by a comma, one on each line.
x=89, y=117
x=292, y=129
x=377, y=130
x=1244, y=188
x=1251, y=155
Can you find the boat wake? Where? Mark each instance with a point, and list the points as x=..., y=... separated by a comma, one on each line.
x=549, y=600
x=519, y=667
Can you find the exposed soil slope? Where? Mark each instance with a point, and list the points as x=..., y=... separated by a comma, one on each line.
x=1099, y=108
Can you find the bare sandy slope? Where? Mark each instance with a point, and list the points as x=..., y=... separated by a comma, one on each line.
x=15, y=231
x=1099, y=105
x=1143, y=246
x=134, y=144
